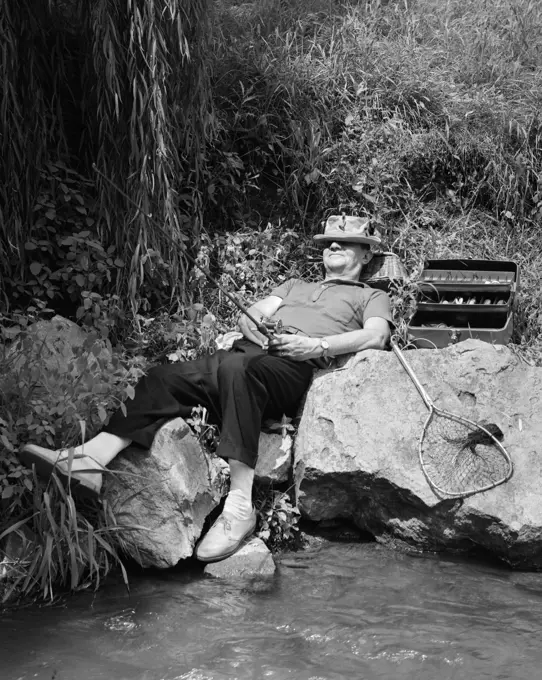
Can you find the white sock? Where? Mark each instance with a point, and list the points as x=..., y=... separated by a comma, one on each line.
x=238, y=505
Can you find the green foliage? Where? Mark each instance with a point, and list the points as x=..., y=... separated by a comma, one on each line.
x=150, y=111
x=65, y=265
x=56, y=402
x=184, y=334
x=46, y=397
x=250, y=264
x=36, y=65
x=400, y=112
x=278, y=520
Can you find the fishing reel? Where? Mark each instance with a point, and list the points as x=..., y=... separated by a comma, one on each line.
x=271, y=327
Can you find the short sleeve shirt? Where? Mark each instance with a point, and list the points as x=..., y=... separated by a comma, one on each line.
x=328, y=308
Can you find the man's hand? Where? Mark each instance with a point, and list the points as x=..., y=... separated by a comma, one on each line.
x=266, y=307
x=253, y=334
x=295, y=347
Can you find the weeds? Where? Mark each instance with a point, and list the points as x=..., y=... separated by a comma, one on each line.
x=279, y=520
x=63, y=546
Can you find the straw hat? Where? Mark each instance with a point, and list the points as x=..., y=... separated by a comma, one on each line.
x=348, y=228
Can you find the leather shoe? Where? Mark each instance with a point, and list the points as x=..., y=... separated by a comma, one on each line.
x=225, y=537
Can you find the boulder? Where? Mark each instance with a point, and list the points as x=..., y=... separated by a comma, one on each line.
x=252, y=559
x=50, y=352
x=56, y=344
x=161, y=497
x=356, y=450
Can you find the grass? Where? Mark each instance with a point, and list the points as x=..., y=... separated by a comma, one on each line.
x=423, y=115
x=64, y=546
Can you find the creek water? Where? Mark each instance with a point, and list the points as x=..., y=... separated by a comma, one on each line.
x=343, y=611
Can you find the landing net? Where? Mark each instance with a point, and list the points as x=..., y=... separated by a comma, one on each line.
x=460, y=457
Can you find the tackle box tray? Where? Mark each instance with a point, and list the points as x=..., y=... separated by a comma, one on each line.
x=460, y=299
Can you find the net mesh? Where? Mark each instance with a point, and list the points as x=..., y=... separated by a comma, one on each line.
x=459, y=458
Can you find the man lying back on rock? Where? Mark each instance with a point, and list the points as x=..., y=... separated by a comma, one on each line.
x=254, y=381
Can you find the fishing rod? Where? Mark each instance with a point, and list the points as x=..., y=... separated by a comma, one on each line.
x=264, y=326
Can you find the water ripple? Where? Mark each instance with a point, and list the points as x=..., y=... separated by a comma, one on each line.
x=351, y=611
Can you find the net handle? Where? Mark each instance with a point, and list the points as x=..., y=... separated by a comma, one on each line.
x=412, y=375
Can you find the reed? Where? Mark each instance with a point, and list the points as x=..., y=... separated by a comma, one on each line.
x=63, y=546
x=121, y=85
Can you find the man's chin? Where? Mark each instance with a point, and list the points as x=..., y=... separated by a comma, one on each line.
x=335, y=271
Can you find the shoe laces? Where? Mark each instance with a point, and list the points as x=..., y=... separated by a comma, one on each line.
x=226, y=522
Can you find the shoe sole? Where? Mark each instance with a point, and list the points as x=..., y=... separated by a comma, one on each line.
x=223, y=556
x=45, y=468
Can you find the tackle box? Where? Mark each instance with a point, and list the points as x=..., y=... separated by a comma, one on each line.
x=461, y=299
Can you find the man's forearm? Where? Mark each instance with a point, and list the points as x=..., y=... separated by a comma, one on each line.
x=266, y=307
x=355, y=341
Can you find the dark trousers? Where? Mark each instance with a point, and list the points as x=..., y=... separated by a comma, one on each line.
x=240, y=389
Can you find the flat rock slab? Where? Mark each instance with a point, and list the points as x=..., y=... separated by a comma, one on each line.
x=253, y=559
x=356, y=450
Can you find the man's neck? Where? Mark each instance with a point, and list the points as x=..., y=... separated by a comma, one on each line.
x=330, y=276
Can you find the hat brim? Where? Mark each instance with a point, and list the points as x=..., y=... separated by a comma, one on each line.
x=351, y=238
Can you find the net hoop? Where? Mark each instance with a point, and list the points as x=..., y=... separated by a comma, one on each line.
x=465, y=422
x=434, y=410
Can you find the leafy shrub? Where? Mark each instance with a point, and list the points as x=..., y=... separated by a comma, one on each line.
x=66, y=265
x=249, y=264
x=278, y=526
x=48, y=398
x=55, y=403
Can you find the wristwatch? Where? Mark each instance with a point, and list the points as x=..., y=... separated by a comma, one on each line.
x=324, y=344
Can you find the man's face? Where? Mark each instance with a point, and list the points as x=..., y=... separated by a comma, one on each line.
x=342, y=258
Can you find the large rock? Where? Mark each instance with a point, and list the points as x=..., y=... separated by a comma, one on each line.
x=161, y=497
x=274, y=458
x=58, y=342
x=356, y=450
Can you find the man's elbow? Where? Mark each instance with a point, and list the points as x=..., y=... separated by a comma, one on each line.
x=380, y=339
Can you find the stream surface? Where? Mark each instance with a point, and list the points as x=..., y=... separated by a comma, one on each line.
x=344, y=611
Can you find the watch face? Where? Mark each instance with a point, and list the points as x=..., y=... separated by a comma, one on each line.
x=325, y=344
